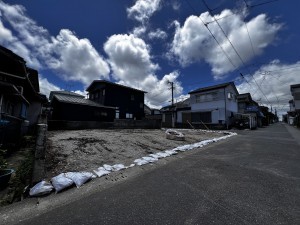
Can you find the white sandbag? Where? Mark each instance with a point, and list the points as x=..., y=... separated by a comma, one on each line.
x=101, y=172
x=150, y=159
x=107, y=167
x=61, y=182
x=41, y=188
x=141, y=162
x=118, y=167
x=79, y=178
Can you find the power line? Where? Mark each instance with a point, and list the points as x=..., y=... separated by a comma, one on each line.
x=209, y=10
x=213, y=36
x=259, y=4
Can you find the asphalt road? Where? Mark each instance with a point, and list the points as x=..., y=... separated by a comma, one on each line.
x=252, y=178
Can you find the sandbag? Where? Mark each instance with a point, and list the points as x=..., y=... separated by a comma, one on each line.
x=41, y=188
x=79, y=178
x=61, y=182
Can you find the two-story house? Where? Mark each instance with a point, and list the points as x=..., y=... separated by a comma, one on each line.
x=20, y=100
x=129, y=102
x=213, y=105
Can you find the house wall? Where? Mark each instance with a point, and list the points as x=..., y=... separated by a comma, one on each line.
x=33, y=113
x=297, y=104
x=296, y=96
x=128, y=101
x=221, y=107
x=182, y=116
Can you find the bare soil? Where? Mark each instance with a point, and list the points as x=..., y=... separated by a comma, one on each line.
x=85, y=150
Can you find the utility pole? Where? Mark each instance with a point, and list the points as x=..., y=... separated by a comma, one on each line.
x=172, y=87
x=173, y=117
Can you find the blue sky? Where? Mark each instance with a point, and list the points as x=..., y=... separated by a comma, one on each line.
x=146, y=43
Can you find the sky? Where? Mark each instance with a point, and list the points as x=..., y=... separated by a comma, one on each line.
x=147, y=44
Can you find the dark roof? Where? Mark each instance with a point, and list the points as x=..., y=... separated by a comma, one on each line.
x=182, y=104
x=111, y=83
x=218, y=86
x=295, y=86
x=71, y=99
x=11, y=54
x=244, y=96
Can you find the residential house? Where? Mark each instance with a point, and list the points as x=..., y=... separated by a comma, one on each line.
x=213, y=106
x=129, y=102
x=69, y=106
x=248, y=108
x=152, y=113
x=177, y=114
x=294, y=113
x=20, y=100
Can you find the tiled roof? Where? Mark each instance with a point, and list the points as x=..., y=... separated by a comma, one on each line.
x=80, y=101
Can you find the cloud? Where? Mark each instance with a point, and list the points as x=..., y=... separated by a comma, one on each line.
x=129, y=57
x=142, y=10
x=193, y=43
x=274, y=79
x=131, y=63
x=139, y=31
x=157, y=34
x=76, y=59
x=46, y=87
x=70, y=57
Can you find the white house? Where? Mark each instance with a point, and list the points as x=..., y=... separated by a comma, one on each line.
x=214, y=105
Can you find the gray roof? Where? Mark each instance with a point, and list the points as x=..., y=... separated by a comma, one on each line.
x=70, y=99
x=67, y=93
x=214, y=87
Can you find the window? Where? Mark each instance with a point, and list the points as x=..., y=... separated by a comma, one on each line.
x=129, y=115
x=103, y=92
x=230, y=96
x=117, y=114
x=132, y=97
x=96, y=95
x=103, y=113
x=23, y=111
x=141, y=105
x=207, y=97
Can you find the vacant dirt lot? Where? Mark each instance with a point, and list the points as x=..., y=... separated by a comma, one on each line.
x=85, y=150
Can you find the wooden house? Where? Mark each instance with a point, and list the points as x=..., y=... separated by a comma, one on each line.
x=20, y=100
x=129, y=102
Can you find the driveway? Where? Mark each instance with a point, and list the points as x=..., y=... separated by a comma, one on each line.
x=252, y=178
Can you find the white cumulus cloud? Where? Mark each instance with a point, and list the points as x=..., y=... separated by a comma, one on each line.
x=193, y=43
x=70, y=57
x=131, y=63
x=46, y=87
x=142, y=10
x=158, y=34
x=270, y=85
x=76, y=59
